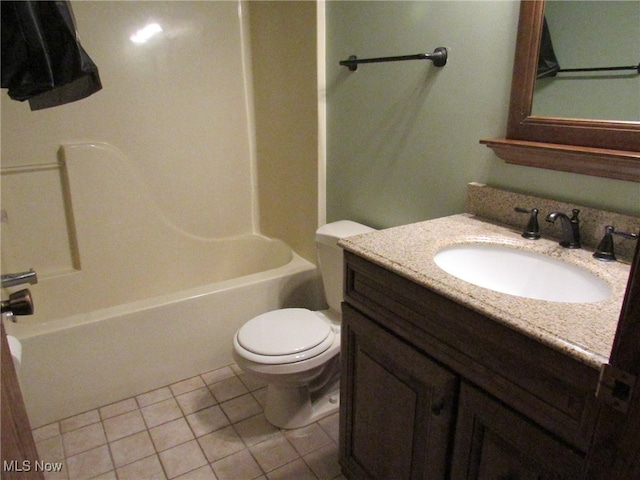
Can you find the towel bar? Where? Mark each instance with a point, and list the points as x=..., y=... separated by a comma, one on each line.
x=439, y=58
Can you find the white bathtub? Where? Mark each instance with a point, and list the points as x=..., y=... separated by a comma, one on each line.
x=141, y=303
x=77, y=363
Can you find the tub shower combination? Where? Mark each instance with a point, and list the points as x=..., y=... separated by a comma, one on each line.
x=135, y=315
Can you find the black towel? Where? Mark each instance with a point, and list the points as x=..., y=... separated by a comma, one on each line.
x=42, y=59
x=548, y=65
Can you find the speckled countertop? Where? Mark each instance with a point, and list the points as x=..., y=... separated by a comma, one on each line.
x=584, y=331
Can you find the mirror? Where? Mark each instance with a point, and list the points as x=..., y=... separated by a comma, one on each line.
x=589, y=51
x=605, y=148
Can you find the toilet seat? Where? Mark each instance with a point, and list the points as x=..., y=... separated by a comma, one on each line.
x=284, y=336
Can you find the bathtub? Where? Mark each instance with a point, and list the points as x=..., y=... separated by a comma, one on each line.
x=83, y=361
x=140, y=303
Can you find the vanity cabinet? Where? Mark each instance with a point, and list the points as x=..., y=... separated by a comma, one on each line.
x=434, y=390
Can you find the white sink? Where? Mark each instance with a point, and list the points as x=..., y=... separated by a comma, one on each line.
x=522, y=273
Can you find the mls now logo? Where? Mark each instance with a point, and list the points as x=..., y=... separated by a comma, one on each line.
x=28, y=466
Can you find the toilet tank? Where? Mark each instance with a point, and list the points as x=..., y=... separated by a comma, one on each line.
x=330, y=256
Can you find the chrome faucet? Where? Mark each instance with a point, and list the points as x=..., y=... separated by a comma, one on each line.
x=12, y=279
x=570, y=228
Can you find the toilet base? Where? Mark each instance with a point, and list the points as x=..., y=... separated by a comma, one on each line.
x=293, y=407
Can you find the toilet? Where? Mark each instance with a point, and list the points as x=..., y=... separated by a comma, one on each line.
x=295, y=350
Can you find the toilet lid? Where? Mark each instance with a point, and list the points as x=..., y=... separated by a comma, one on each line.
x=284, y=332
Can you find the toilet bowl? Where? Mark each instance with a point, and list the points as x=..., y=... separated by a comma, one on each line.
x=297, y=351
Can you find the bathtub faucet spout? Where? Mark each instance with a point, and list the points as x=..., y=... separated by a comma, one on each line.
x=12, y=279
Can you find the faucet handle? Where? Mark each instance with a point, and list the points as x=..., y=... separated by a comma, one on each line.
x=605, y=250
x=19, y=303
x=629, y=236
x=532, y=230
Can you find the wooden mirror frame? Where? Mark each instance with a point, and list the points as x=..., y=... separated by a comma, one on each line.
x=592, y=147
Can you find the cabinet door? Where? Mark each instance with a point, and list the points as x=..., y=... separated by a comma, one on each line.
x=494, y=443
x=396, y=406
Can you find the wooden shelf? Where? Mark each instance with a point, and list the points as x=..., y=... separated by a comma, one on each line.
x=617, y=164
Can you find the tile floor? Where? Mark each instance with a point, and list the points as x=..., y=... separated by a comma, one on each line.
x=209, y=427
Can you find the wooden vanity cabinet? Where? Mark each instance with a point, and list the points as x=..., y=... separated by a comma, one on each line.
x=433, y=390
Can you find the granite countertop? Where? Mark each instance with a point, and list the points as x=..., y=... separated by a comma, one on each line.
x=583, y=330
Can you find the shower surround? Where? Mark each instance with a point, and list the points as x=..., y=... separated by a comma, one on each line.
x=139, y=209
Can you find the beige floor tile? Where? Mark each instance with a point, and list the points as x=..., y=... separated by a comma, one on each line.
x=221, y=443
x=182, y=459
x=218, y=375
x=148, y=469
x=228, y=389
x=241, y=407
x=195, y=400
x=187, y=386
x=324, y=462
x=171, y=434
x=307, y=439
x=240, y=465
x=78, y=421
x=46, y=431
x=154, y=396
x=105, y=476
x=118, y=408
x=60, y=475
x=331, y=425
x=123, y=425
x=189, y=430
x=255, y=429
x=273, y=453
x=50, y=449
x=129, y=449
x=89, y=464
x=161, y=412
x=202, y=473
x=83, y=439
x=297, y=470
x=207, y=420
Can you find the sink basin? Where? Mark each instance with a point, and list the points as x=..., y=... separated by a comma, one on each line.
x=522, y=273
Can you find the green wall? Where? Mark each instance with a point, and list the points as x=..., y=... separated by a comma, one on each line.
x=402, y=138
